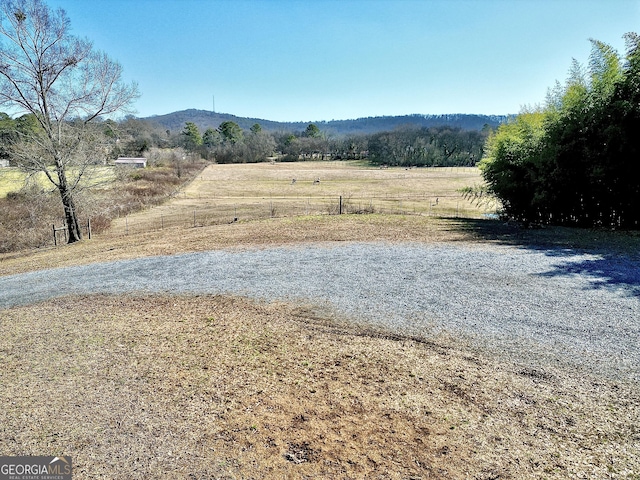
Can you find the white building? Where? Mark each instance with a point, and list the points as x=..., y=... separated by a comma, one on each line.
x=132, y=162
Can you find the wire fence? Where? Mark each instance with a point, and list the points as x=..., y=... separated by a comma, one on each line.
x=219, y=211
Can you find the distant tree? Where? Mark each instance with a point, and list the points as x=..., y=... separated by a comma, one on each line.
x=111, y=130
x=8, y=134
x=259, y=145
x=231, y=132
x=313, y=147
x=66, y=86
x=27, y=125
x=136, y=147
x=256, y=128
x=191, y=137
x=132, y=128
x=6, y=121
x=289, y=139
x=289, y=145
x=211, y=138
x=433, y=146
x=351, y=147
x=130, y=137
x=312, y=131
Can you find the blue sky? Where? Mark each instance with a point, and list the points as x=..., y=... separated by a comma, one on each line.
x=313, y=60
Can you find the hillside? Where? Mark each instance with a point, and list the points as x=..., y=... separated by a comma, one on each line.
x=205, y=119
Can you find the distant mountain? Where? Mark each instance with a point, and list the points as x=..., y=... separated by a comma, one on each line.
x=205, y=119
x=381, y=124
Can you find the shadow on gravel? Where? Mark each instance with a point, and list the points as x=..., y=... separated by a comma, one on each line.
x=609, y=259
x=605, y=272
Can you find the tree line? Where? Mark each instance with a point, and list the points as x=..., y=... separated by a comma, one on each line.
x=229, y=143
x=427, y=146
x=403, y=146
x=575, y=160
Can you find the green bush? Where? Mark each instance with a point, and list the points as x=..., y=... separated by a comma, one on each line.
x=575, y=161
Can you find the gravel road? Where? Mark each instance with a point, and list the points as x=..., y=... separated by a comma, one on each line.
x=536, y=307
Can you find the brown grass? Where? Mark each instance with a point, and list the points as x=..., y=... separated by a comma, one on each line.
x=222, y=193
x=27, y=214
x=26, y=218
x=215, y=387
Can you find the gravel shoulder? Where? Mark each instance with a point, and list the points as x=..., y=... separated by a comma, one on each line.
x=537, y=307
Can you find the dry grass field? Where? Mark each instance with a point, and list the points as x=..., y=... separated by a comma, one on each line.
x=217, y=387
x=12, y=179
x=223, y=193
x=208, y=387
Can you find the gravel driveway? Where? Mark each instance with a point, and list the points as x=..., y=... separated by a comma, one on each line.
x=537, y=307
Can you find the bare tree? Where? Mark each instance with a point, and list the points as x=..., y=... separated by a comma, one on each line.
x=66, y=85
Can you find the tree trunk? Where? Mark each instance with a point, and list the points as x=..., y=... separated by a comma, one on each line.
x=71, y=218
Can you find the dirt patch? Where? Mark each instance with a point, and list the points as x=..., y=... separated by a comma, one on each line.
x=219, y=387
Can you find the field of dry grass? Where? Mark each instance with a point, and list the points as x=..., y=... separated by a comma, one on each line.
x=205, y=387
x=222, y=193
x=12, y=179
x=218, y=387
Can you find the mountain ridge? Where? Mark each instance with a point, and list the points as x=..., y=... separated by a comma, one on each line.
x=360, y=126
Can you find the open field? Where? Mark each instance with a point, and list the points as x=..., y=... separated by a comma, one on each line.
x=13, y=179
x=223, y=193
x=184, y=386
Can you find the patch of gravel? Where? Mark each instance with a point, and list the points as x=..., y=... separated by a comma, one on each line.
x=536, y=307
